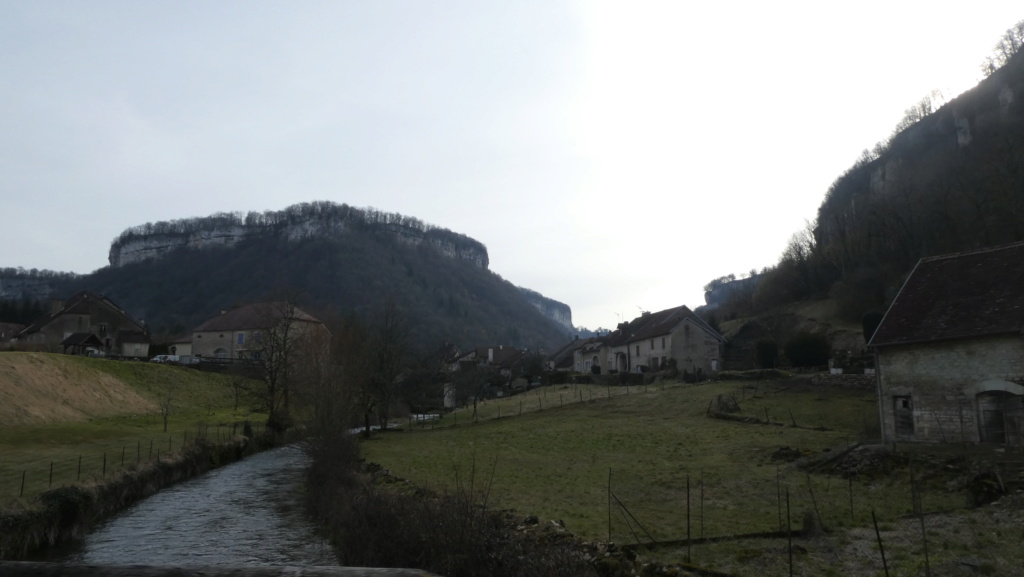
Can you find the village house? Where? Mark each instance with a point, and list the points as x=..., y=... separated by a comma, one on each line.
x=654, y=341
x=87, y=323
x=239, y=333
x=950, y=351
x=505, y=360
x=587, y=356
x=565, y=358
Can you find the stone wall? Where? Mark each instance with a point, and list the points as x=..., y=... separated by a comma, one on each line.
x=843, y=381
x=942, y=381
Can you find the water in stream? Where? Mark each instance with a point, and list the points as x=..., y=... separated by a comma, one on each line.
x=247, y=513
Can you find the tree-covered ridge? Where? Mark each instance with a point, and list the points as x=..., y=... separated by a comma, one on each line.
x=950, y=178
x=329, y=215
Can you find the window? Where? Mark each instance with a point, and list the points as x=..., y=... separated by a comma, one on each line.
x=638, y=350
x=103, y=329
x=662, y=342
x=241, y=338
x=652, y=344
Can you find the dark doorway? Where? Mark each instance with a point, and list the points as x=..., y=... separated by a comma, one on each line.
x=903, y=411
x=1001, y=417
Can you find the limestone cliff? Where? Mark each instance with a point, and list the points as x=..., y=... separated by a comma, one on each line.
x=298, y=222
x=552, y=309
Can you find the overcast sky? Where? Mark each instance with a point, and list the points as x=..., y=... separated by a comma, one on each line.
x=615, y=156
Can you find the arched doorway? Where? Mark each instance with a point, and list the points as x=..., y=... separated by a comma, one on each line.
x=1000, y=406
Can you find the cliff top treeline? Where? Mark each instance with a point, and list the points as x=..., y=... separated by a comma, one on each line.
x=322, y=212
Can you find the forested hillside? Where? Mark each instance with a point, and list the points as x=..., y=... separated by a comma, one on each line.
x=333, y=260
x=443, y=299
x=950, y=178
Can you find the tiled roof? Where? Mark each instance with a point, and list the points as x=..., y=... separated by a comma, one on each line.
x=962, y=295
x=253, y=316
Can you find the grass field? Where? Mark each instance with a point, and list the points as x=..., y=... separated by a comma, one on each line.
x=80, y=415
x=558, y=458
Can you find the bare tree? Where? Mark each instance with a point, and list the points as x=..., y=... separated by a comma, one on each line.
x=390, y=343
x=473, y=382
x=277, y=347
x=1010, y=43
x=166, y=403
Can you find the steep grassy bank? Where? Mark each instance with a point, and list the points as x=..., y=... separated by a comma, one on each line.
x=69, y=419
x=83, y=438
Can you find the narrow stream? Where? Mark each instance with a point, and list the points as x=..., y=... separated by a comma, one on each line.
x=247, y=513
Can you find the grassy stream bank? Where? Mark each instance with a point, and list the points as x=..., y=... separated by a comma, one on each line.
x=84, y=438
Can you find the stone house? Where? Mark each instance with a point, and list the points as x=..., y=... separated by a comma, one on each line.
x=949, y=352
x=587, y=357
x=239, y=333
x=506, y=361
x=653, y=341
x=181, y=347
x=503, y=358
x=87, y=323
x=563, y=360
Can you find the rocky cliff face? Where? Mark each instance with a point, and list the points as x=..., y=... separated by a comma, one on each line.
x=300, y=222
x=16, y=287
x=554, y=310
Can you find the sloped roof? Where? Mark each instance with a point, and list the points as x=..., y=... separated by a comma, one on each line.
x=8, y=330
x=81, y=339
x=650, y=325
x=955, y=296
x=79, y=304
x=253, y=316
x=567, y=352
x=502, y=356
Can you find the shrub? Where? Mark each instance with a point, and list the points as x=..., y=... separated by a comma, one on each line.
x=452, y=534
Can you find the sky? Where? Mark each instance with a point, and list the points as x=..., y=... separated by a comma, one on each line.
x=614, y=156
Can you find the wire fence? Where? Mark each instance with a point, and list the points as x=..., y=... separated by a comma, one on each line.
x=108, y=459
x=789, y=522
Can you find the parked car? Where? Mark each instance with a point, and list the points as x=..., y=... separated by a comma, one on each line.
x=164, y=359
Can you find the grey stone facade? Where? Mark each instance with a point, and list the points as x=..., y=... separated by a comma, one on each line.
x=965, y=390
